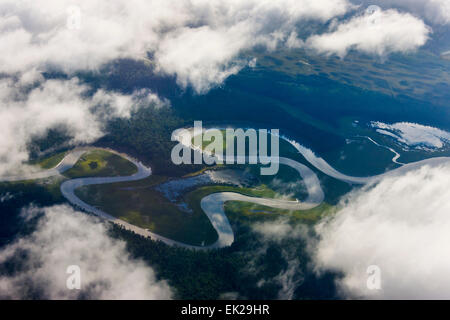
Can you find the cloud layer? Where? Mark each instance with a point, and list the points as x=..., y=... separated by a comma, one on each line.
x=400, y=225
x=434, y=11
x=380, y=33
x=63, y=238
x=197, y=41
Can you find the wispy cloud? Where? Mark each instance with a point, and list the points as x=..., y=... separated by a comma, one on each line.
x=378, y=33
x=401, y=225
x=65, y=237
x=287, y=237
x=27, y=113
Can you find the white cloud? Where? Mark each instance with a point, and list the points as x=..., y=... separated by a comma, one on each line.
x=438, y=11
x=66, y=237
x=434, y=11
x=280, y=232
x=378, y=33
x=401, y=225
x=414, y=135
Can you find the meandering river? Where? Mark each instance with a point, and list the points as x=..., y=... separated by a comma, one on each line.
x=213, y=204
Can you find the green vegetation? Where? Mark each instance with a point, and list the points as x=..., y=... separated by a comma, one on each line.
x=52, y=161
x=248, y=213
x=202, y=170
x=206, y=142
x=22, y=194
x=145, y=207
x=140, y=204
x=262, y=191
x=146, y=136
x=101, y=163
x=49, y=162
x=49, y=186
